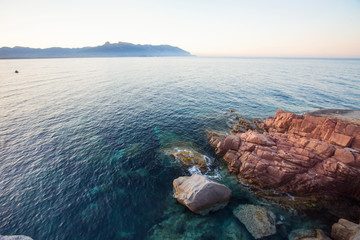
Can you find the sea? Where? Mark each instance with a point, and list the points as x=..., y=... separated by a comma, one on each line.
x=85, y=143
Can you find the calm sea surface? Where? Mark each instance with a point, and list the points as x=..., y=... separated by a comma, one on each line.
x=84, y=142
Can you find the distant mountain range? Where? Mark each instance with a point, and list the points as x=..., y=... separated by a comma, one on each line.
x=120, y=49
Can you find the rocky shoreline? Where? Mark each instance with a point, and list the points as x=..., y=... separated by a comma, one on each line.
x=296, y=154
x=300, y=161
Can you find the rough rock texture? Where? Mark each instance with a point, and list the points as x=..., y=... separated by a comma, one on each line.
x=259, y=221
x=345, y=230
x=298, y=154
x=200, y=194
x=308, y=234
x=190, y=158
x=15, y=237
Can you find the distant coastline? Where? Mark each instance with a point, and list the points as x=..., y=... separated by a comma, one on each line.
x=120, y=49
x=287, y=58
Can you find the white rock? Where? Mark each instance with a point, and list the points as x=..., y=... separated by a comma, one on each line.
x=200, y=194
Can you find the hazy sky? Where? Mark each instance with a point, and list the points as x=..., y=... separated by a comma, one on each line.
x=279, y=28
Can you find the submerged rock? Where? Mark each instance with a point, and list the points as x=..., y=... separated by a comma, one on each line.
x=200, y=194
x=345, y=230
x=299, y=234
x=239, y=124
x=15, y=237
x=308, y=234
x=190, y=158
x=232, y=231
x=184, y=226
x=133, y=150
x=180, y=226
x=178, y=223
x=188, y=154
x=259, y=221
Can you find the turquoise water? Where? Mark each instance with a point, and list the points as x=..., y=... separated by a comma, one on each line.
x=84, y=142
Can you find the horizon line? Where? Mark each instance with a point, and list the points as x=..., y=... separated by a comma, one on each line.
x=283, y=57
x=200, y=56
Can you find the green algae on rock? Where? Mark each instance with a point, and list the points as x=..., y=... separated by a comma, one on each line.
x=190, y=158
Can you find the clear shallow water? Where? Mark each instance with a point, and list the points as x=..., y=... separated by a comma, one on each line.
x=82, y=141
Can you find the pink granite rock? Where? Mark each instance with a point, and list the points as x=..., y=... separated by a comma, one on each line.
x=298, y=154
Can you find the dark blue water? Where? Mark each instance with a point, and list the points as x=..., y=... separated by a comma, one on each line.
x=83, y=142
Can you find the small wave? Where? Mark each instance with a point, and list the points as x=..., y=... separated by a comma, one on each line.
x=215, y=175
x=194, y=170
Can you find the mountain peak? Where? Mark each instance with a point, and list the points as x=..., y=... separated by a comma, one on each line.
x=120, y=49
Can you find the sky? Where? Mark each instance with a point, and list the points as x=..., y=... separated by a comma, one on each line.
x=255, y=28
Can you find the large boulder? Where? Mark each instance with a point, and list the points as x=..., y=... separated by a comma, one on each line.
x=345, y=230
x=259, y=221
x=200, y=194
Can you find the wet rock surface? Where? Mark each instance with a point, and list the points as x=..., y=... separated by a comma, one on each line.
x=297, y=154
x=259, y=221
x=200, y=194
x=190, y=158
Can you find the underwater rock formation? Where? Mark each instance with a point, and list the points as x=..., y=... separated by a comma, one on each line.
x=308, y=234
x=200, y=194
x=259, y=221
x=345, y=230
x=183, y=153
x=297, y=154
x=190, y=158
x=183, y=226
